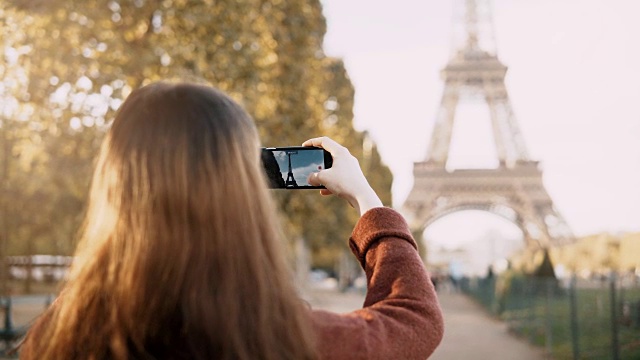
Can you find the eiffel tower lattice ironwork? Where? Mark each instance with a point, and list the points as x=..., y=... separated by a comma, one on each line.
x=291, y=181
x=513, y=190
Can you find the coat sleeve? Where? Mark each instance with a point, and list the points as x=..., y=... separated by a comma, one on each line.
x=401, y=316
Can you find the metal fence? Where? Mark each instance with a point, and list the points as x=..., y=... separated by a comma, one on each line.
x=575, y=319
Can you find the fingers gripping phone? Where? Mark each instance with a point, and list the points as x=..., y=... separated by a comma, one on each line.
x=289, y=167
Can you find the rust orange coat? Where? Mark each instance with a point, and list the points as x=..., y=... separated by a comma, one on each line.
x=401, y=317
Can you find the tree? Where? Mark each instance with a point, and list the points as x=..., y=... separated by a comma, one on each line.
x=266, y=54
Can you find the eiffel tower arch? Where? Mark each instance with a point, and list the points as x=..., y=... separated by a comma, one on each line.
x=514, y=190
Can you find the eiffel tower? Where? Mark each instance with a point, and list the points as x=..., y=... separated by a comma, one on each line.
x=514, y=190
x=291, y=181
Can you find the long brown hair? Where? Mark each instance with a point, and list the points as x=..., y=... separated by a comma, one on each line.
x=180, y=255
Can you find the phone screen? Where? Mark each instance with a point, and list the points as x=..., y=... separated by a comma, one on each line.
x=290, y=167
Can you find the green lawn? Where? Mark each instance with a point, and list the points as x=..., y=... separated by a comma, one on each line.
x=541, y=319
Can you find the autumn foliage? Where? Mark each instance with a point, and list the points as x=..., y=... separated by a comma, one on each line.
x=66, y=66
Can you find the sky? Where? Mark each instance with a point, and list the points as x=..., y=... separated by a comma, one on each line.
x=573, y=81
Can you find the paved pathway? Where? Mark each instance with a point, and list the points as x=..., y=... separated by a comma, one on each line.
x=470, y=333
x=24, y=311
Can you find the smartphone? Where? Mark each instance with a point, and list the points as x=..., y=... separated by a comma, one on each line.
x=289, y=167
